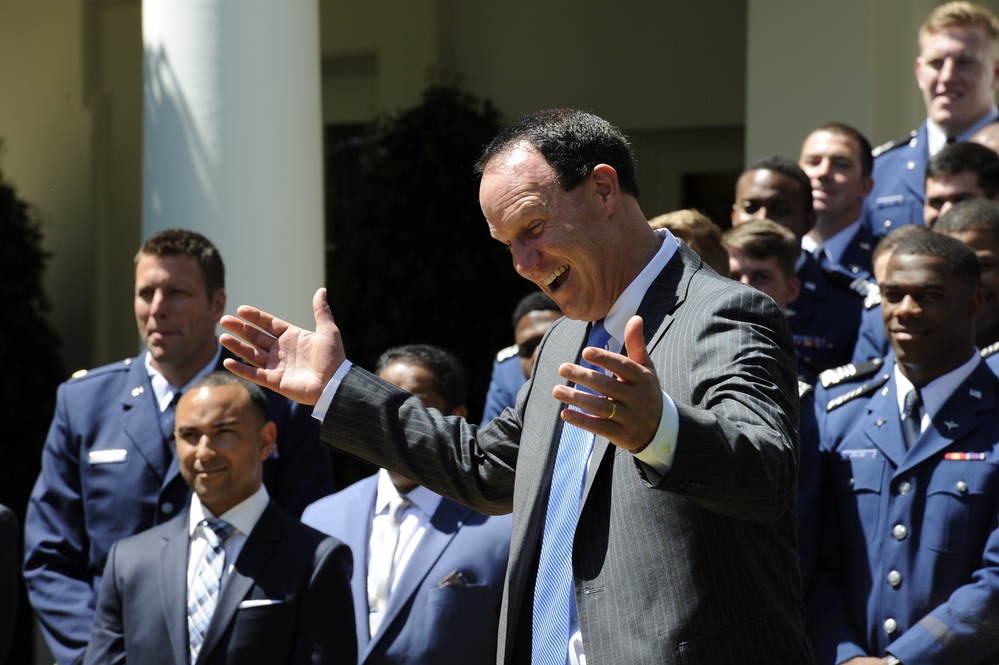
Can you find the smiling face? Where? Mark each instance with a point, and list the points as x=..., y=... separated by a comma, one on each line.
x=832, y=163
x=562, y=241
x=943, y=192
x=222, y=442
x=175, y=315
x=957, y=72
x=929, y=315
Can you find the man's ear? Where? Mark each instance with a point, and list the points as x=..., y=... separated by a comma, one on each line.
x=793, y=289
x=607, y=186
x=268, y=435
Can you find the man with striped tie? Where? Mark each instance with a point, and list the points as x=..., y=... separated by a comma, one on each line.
x=233, y=578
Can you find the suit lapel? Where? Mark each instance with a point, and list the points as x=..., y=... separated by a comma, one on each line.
x=957, y=419
x=883, y=425
x=665, y=294
x=257, y=551
x=173, y=585
x=914, y=178
x=139, y=409
x=443, y=527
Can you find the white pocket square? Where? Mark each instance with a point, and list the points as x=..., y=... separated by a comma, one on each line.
x=112, y=456
x=260, y=602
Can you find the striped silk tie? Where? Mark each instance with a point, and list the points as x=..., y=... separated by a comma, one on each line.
x=204, y=590
x=554, y=594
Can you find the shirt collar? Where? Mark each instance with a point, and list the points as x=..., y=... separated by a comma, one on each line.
x=936, y=138
x=244, y=515
x=421, y=497
x=935, y=393
x=163, y=391
x=630, y=299
x=834, y=248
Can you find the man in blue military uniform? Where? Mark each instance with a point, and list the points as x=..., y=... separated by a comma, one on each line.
x=957, y=71
x=532, y=317
x=109, y=469
x=908, y=567
x=837, y=159
x=825, y=316
x=961, y=171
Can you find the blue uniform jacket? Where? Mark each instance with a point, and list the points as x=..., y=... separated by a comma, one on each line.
x=824, y=319
x=856, y=259
x=899, y=188
x=425, y=622
x=107, y=473
x=507, y=380
x=909, y=553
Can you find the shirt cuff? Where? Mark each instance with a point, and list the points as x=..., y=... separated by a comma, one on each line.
x=324, y=401
x=660, y=452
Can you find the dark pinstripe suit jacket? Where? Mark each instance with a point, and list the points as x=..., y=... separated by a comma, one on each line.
x=698, y=567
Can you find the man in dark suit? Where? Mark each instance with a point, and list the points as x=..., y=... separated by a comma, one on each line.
x=957, y=71
x=446, y=583
x=680, y=464
x=108, y=465
x=279, y=592
x=908, y=567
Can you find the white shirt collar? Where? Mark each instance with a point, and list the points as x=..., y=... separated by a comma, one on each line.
x=421, y=497
x=834, y=247
x=630, y=299
x=244, y=515
x=935, y=393
x=163, y=391
x=936, y=138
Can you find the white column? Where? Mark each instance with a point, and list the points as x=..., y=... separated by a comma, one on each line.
x=232, y=141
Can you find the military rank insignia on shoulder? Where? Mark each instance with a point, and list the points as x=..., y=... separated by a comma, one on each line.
x=804, y=389
x=891, y=145
x=865, y=389
x=849, y=372
x=506, y=353
x=873, y=297
x=990, y=350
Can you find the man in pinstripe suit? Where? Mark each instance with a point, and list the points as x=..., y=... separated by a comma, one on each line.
x=684, y=549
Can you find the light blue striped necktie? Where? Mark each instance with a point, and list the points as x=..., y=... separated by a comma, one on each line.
x=554, y=594
x=204, y=591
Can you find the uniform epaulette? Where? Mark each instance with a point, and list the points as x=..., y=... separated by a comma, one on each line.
x=804, y=389
x=849, y=372
x=865, y=389
x=991, y=349
x=873, y=297
x=80, y=373
x=858, y=285
x=506, y=353
x=891, y=145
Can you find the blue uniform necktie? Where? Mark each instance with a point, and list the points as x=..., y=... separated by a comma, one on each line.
x=911, y=420
x=554, y=593
x=207, y=581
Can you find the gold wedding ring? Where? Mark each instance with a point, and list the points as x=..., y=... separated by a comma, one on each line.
x=613, y=411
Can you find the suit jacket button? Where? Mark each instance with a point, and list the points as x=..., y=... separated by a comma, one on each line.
x=890, y=626
x=900, y=532
x=962, y=487
x=894, y=578
x=904, y=488
x=886, y=224
x=167, y=507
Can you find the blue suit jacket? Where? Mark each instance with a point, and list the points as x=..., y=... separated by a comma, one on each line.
x=899, y=188
x=856, y=259
x=824, y=319
x=910, y=539
x=425, y=623
x=82, y=503
x=142, y=610
x=506, y=381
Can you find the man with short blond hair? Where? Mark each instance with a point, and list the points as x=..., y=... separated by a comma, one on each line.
x=957, y=71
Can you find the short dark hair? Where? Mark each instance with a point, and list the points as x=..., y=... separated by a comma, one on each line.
x=972, y=215
x=963, y=156
x=181, y=242
x=572, y=142
x=790, y=168
x=890, y=241
x=536, y=301
x=762, y=239
x=866, y=152
x=258, y=400
x=960, y=257
x=448, y=372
